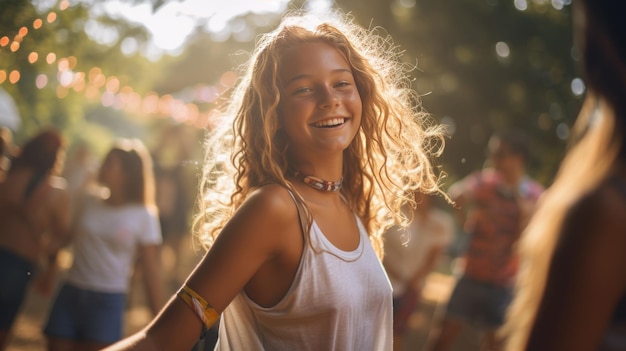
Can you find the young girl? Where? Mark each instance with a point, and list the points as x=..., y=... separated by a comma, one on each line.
x=572, y=292
x=111, y=229
x=326, y=139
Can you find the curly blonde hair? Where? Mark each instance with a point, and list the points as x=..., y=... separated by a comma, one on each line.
x=391, y=156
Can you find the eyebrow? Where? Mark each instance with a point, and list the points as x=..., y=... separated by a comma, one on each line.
x=303, y=76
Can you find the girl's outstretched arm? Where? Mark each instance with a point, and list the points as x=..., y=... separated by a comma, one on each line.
x=251, y=252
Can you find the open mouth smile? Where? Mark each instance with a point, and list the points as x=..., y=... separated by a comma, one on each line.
x=330, y=123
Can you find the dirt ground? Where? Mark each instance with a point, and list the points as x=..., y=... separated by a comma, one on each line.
x=28, y=337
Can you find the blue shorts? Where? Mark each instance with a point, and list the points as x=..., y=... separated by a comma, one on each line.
x=478, y=303
x=84, y=315
x=15, y=275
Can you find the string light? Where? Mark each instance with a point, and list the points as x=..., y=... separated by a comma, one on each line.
x=51, y=57
x=115, y=96
x=14, y=76
x=52, y=16
x=33, y=57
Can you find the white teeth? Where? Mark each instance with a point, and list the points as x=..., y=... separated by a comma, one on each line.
x=330, y=122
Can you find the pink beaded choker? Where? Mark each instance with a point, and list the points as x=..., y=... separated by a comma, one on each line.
x=319, y=184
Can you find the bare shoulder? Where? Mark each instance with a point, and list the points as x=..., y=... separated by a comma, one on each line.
x=596, y=223
x=604, y=207
x=273, y=202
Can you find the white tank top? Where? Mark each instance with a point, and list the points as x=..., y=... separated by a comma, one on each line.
x=338, y=300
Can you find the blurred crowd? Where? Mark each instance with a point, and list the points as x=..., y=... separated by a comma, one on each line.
x=117, y=221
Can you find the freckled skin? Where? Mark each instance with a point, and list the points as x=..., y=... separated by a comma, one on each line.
x=317, y=85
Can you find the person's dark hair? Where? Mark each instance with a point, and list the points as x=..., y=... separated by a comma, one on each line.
x=136, y=163
x=603, y=48
x=40, y=153
x=601, y=34
x=517, y=140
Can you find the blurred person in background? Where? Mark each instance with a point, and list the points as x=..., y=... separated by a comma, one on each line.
x=35, y=218
x=174, y=186
x=571, y=293
x=80, y=169
x=6, y=150
x=113, y=226
x=494, y=205
x=411, y=254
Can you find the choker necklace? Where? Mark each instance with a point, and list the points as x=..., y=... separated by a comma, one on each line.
x=319, y=184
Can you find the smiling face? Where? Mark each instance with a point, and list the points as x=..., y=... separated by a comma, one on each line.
x=320, y=108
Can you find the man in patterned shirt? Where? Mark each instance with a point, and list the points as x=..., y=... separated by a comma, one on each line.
x=494, y=205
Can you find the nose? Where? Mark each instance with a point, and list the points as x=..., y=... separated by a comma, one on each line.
x=328, y=98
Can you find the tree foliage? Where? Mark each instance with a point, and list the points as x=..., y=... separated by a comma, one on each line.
x=465, y=83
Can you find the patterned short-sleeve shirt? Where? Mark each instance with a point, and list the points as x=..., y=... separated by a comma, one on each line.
x=494, y=222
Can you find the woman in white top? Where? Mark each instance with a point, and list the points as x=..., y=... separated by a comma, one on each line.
x=112, y=229
x=325, y=138
x=411, y=254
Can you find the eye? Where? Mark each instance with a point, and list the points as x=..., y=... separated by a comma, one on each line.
x=302, y=90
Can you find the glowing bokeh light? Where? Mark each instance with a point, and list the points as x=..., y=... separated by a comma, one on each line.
x=4, y=41
x=502, y=49
x=37, y=23
x=15, y=46
x=562, y=131
x=3, y=76
x=41, y=81
x=113, y=84
x=577, y=86
x=79, y=81
x=521, y=5
x=33, y=57
x=72, y=61
x=51, y=57
x=66, y=78
x=107, y=99
x=63, y=64
x=228, y=79
x=14, y=76
x=52, y=16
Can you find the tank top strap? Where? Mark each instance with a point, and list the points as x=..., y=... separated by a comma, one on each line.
x=304, y=216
